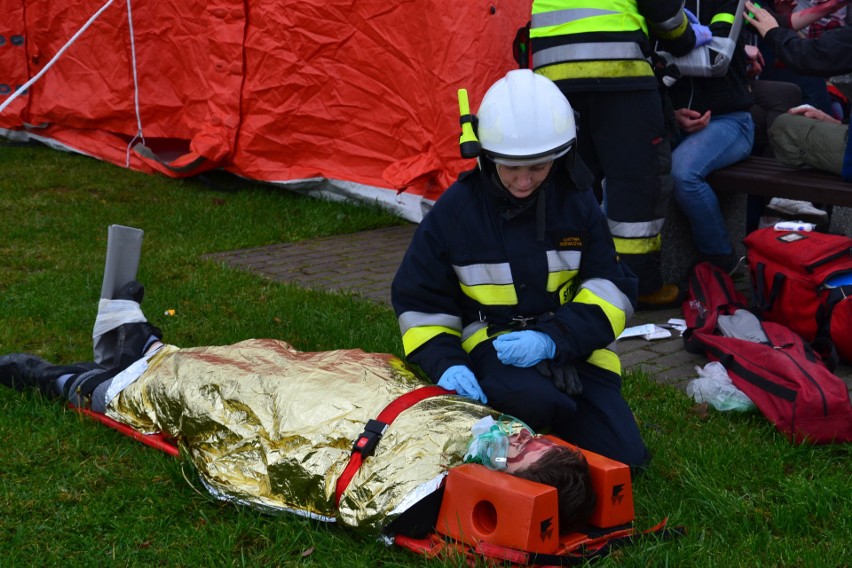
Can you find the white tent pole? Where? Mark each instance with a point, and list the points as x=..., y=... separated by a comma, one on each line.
x=53, y=60
x=139, y=134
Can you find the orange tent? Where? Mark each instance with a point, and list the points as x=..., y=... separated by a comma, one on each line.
x=332, y=97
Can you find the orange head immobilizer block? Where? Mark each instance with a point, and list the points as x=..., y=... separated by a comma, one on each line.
x=484, y=505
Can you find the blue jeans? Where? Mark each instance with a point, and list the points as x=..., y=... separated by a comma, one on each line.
x=726, y=139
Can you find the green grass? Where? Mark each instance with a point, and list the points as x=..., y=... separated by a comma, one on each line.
x=75, y=493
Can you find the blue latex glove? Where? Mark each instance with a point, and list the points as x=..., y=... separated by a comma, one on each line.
x=524, y=348
x=462, y=380
x=703, y=35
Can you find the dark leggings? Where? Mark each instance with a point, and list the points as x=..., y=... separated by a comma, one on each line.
x=598, y=420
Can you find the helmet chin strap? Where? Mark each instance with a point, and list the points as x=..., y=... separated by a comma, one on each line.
x=500, y=178
x=538, y=195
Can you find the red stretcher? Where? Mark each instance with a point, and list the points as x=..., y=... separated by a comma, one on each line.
x=489, y=514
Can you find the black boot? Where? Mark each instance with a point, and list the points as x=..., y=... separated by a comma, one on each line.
x=22, y=371
x=131, y=340
x=133, y=290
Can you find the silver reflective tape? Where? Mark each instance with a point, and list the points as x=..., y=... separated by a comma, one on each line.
x=619, y=50
x=634, y=230
x=477, y=274
x=557, y=17
x=469, y=330
x=608, y=291
x=563, y=260
x=408, y=320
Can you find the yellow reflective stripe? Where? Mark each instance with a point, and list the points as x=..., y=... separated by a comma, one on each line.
x=638, y=246
x=616, y=316
x=475, y=339
x=417, y=336
x=597, y=69
x=723, y=17
x=605, y=359
x=491, y=294
x=557, y=279
x=673, y=33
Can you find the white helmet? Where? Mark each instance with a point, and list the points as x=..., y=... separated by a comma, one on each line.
x=524, y=119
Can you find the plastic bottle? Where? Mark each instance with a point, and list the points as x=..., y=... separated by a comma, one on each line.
x=794, y=226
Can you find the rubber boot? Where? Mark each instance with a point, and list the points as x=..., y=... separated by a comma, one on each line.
x=668, y=296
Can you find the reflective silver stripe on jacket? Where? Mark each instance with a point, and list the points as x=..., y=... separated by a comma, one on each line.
x=670, y=24
x=479, y=274
x=617, y=50
x=471, y=329
x=609, y=292
x=408, y=320
x=635, y=230
x=563, y=260
x=557, y=17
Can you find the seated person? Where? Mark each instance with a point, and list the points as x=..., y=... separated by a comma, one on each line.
x=812, y=19
x=807, y=137
x=715, y=130
x=511, y=291
x=771, y=100
x=272, y=427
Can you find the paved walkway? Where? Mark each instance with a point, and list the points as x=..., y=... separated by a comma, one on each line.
x=364, y=263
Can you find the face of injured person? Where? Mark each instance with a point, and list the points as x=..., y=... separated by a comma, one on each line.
x=525, y=449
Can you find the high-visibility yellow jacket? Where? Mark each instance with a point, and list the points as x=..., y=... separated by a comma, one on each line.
x=605, y=44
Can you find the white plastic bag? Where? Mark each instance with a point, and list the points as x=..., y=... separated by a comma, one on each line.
x=714, y=387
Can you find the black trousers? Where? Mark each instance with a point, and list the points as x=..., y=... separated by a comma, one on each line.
x=598, y=420
x=622, y=137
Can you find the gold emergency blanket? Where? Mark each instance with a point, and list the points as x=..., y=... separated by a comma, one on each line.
x=273, y=427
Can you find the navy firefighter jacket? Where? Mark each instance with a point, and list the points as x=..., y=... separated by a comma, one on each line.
x=476, y=268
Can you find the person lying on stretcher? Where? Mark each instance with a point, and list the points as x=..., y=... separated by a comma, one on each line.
x=272, y=427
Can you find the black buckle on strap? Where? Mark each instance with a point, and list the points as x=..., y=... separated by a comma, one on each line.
x=366, y=442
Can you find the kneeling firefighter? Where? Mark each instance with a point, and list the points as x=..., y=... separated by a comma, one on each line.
x=511, y=291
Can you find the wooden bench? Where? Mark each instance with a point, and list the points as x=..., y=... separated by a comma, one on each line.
x=770, y=178
x=757, y=176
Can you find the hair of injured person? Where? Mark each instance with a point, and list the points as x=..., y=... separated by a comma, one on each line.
x=541, y=460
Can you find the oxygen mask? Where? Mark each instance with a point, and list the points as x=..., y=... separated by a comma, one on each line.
x=490, y=444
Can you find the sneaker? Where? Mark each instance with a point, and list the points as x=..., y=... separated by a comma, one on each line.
x=668, y=296
x=21, y=371
x=799, y=210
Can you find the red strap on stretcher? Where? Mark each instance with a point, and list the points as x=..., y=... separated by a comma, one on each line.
x=388, y=415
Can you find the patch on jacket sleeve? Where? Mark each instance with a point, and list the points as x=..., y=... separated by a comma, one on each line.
x=567, y=241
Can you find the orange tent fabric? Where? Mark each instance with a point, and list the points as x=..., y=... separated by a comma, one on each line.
x=328, y=96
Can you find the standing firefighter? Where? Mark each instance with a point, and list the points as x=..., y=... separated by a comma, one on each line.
x=511, y=291
x=598, y=52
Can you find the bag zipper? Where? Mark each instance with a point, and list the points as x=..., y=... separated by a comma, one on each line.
x=809, y=268
x=780, y=349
